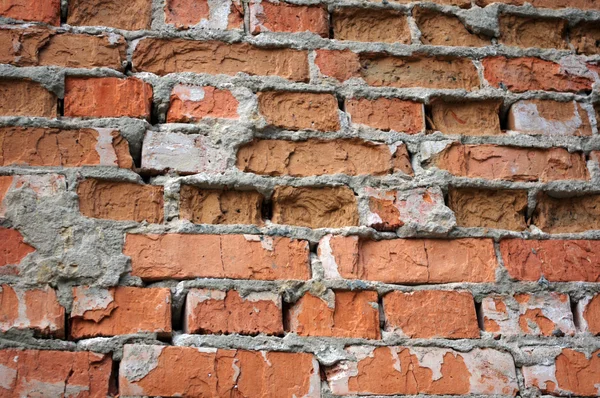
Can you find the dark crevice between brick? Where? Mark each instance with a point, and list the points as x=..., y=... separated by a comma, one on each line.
x=266, y=211
x=341, y=104
x=114, y=379
x=331, y=34
x=479, y=313
x=60, y=107
x=64, y=12
x=576, y=320
x=381, y=312
x=285, y=307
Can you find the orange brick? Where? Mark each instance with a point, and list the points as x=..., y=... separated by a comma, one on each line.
x=180, y=256
x=555, y=260
x=353, y=314
x=414, y=260
x=338, y=64
x=472, y=118
x=217, y=206
x=107, y=97
x=431, y=314
x=121, y=310
x=128, y=15
x=211, y=372
x=26, y=98
x=216, y=311
x=188, y=13
x=533, y=32
x=47, y=11
x=278, y=16
x=192, y=103
x=34, y=309
x=297, y=111
x=588, y=314
x=387, y=114
x=441, y=29
x=370, y=25
x=567, y=214
x=556, y=4
x=12, y=247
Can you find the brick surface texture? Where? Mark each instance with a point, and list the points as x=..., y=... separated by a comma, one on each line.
x=299, y=198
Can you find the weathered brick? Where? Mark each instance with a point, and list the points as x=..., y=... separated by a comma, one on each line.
x=419, y=207
x=588, y=314
x=466, y=117
x=121, y=310
x=40, y=185
x=458, y=3
x=219, y=206
x=225, y=14
x=210, y=372
x=494, y=162
x=585, y=37
x=432, y=72
x=217, y=311
x=541, y=314
x=33, y=373
x=183, y=256
x=128, y=15
x=569, y=214
x=423, y=370
x=107, y=97
x=192, y=103
x=36, y=146
x=414, y=260
x=431, y=314
x=115, y=200
x=533, y=32
x=555, y=260
x=279, y=16
x=569, y=373
x=299, y=110
x=524, y=74
x=12, y=249
x=40, y=46
x=338, y=64
x=162, y=56
x=34, y=309
x=370, y=25
x=489, y=208
x=47, y=11
x=182, y=152
x=26, y=98
x=387, y=114
x=353, y=314
x=6, y=183
x=314, y=157
x=327, y=207
x=440, y=29
x=557, y=4
x=547, y=117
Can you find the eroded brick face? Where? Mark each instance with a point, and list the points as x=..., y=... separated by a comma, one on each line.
x=299, y=198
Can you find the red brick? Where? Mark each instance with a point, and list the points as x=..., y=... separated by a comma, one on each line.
x=162, y=56
x=210, y=372
x=42, y=46
x=472, y=118
x=352, y=314
x=588, y=314
x=326, y=207
x=34, y=309
x=204, y=13
x=541, y=314
x=387, y=114
x=278, y=16
x=314, y=157
x=370, y=25
x=556, y=4
x=529, y=32
x=567, y=214
x=127, y=15
x=217, y=206
x=423, y=370
x=555, y=260
x=47, y=11
x=297, y=111
x=494, y=162
x=415, y=261
x=121, y=310
x=338, y=64
x=585, y=37
x=180, y=256
x=431, y=314
x=26, y=98
x=547, y=117
x=441, y=29
x=215, y=311
x=120, y=200
x=12, y=248
x=32, y=373
x=192, y=103
x=107, y=97
x=35, y=146
x=570, y=373
x=524, y=74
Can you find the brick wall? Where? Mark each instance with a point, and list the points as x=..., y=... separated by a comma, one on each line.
x=299, y=199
